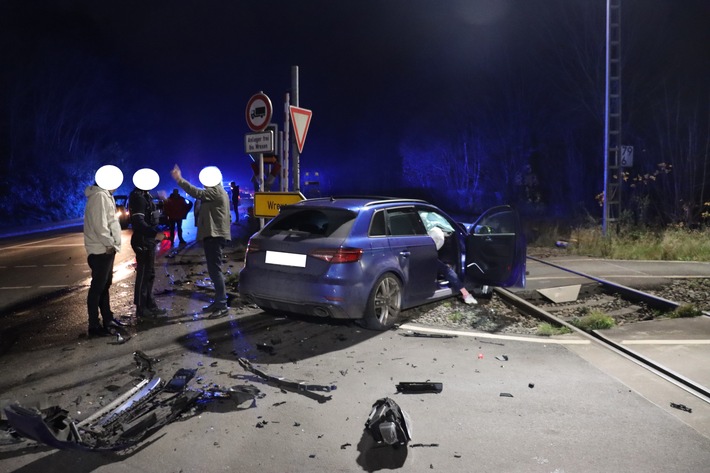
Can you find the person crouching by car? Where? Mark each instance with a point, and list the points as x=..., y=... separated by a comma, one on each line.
x=145, y=236
x=176, y=208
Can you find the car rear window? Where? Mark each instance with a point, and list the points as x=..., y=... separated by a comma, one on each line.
x=312, y=222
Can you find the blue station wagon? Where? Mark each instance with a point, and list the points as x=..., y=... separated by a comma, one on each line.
x=372, y=258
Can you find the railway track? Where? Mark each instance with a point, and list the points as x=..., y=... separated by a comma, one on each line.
x=536, y=310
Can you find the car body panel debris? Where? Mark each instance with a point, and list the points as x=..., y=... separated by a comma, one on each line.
x=286, y=383
x=132, y=417
x=419, y=387
x=410, y=333
x=388, y=423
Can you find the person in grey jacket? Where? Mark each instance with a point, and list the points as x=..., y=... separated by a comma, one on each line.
x=102, y=240
x=213, y=228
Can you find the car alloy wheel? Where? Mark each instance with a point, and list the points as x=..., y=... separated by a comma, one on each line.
x=385, y=303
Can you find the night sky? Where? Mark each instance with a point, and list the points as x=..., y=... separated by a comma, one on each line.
x=159, y=82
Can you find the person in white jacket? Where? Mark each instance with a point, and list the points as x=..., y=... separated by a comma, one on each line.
x=102, y=240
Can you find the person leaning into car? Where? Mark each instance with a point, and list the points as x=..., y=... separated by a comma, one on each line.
x=213, y=228
x=145, y=235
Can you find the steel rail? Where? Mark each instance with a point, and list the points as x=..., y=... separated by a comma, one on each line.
x=624, y=291
x=688, y=385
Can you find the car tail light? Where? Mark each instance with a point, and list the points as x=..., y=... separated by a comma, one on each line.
x=252, y=247
x=339, y=255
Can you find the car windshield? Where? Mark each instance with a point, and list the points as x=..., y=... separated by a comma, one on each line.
x=312, y=222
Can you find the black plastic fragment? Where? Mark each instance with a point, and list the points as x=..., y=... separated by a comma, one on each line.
x=681, y=407
x=426, y=335
x=143, y=361
x=180, y=380
x=419, y=387
x=506, y=395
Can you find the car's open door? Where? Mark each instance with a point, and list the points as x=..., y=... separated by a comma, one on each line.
x=496, y=249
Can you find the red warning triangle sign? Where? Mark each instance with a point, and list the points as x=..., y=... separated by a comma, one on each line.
x=300, y=119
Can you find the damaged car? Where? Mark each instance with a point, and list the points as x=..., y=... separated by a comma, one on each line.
x=372, y=258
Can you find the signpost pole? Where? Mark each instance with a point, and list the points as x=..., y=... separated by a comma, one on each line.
x=261, y=182
x=285, y=159
x=296, y=154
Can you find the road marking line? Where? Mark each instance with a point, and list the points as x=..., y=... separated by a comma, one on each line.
x=31, y=243
x=665, y=342
x=15, y=287
x=519, y=338
x=53, y=265
x=26, y=266
x=59, y=285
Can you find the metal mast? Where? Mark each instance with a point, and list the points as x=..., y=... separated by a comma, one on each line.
x=613, y=172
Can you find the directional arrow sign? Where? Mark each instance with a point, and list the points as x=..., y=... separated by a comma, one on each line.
x=301, y=118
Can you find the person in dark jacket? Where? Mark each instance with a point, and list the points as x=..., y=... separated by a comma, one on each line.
x=213, y=229
x=176, y=208
x=145, y=236
x=235, y=200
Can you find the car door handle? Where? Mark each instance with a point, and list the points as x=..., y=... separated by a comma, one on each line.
x=405, y=253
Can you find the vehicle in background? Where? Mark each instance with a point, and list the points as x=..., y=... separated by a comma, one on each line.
x=122, y=213
x=371, y=258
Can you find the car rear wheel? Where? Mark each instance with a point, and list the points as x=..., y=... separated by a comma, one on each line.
x=385, y=303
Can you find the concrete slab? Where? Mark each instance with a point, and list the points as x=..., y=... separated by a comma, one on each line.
x=561, y=294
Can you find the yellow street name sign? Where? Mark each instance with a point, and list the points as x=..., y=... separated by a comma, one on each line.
x=268, y=204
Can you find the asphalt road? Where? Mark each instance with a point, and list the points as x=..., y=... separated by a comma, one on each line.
x=573, y=407
x=39, y=265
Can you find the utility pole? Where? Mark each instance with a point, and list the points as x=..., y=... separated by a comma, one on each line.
x=613, y=171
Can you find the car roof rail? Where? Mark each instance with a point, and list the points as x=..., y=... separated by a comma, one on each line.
x=375, y=199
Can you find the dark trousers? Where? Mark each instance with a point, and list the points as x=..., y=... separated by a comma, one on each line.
x=450, y=275
x=101, y=280
x=145, y=276
x=213, y=256
x=172, y=224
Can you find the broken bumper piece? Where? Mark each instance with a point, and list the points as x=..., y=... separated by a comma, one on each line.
x=131, y=418
x=280, y=381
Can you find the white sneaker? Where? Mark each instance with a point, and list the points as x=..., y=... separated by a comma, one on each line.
x=469, y=299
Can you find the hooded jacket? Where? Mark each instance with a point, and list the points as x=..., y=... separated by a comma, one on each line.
x=101, y=228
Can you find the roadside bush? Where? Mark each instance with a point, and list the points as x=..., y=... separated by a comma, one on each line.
x=675, y=243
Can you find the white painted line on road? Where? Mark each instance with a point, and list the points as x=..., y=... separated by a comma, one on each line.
x=665, y=342
x=553, y=341
x=32, y=243
x=53, y=265
x=53, y=287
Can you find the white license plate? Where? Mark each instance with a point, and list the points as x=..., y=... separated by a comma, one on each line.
x=285, y=259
